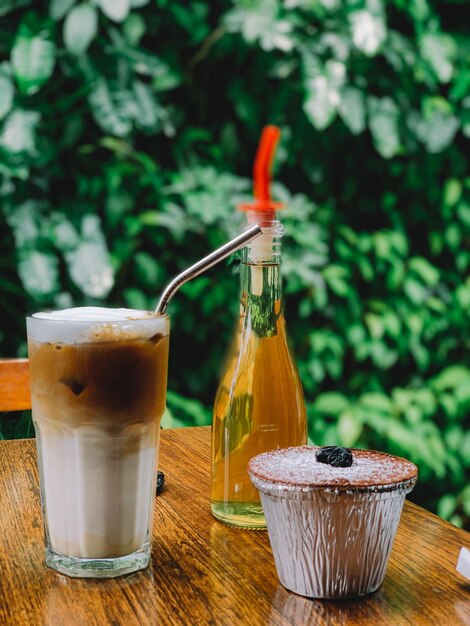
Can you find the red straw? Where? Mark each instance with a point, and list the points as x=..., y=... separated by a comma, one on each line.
x=262, y=172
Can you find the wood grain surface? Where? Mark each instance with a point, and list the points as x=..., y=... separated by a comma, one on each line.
x=203, y=572
x=14, y=385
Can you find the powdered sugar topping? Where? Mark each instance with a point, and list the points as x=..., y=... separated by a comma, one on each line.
x=299, y=467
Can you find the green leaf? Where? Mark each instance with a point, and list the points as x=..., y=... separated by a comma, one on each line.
x=465, y=450
x=441, y=131
x=33, y=54
x=112, y=107
x=118, y=203
x=453, y=236
x=466, y=501
x=331, y=403
x=147, y=64
x=80, y=28
x=18, y=134
x=147, y=107
x=415, y=290
x=392, y=324
x=382, y=244
x=166, y=81
x=439, y=50
x=88, y=264
x=426, y=399
x=415, y=323
x=64, y=235
x=427, y=272
x=134, y=28
x=352, y=109
x=173, y=219
x=259, y=22
x=453, y=438
x=356, y=334
x=135, y=299
x=6, y=90
x=116, y=10
x=336, y=271
x=349, y=428
x=460, y=84
x=383, y=124
x=59, y=8
x=377, y=401
x=436, y=126
x=446, y=506
x=375, y=324
x=148, y=270
x=452, y=192
x=339, y=287
x=319, y=106
x=6, y=6
x=368, y=29
x=194, y=412
x=463, y=211
x=400, y=435
x=323, y=93
x=25, y=220
x=453, y=376
x=39, y=273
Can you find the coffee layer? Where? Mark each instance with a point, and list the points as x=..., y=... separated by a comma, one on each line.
x=105, y=384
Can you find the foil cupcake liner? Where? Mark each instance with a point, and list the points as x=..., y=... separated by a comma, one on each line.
x=332, y=543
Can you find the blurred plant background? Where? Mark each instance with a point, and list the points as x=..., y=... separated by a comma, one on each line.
x=127, y=134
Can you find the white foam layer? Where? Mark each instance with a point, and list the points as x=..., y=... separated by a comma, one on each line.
x=93, y=314
x=85, y=324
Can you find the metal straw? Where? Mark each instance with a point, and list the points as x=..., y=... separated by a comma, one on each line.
x=205, y=263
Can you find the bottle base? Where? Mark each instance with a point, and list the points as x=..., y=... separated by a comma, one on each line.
x=246, y=515
x=77, y=567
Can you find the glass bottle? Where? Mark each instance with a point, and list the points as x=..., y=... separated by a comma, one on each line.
x=259, y=404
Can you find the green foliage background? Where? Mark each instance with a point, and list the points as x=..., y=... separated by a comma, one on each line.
x=127, y=134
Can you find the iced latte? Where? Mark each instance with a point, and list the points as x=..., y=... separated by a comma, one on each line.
x=98, y=385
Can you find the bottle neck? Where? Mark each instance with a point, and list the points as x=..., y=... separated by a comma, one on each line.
x=265, y=249
x=261, y=284
x=261, y=279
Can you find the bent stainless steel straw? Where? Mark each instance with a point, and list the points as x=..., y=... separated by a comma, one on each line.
x=204, y=264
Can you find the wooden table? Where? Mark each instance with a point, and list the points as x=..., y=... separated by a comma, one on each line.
x=203, y=572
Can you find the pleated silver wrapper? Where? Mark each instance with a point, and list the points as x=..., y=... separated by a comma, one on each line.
x=332, y=543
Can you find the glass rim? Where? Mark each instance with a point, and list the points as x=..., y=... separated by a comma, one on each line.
x=77, y=331
x=128, y=320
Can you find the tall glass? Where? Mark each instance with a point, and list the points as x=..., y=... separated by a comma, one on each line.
x=98, y=388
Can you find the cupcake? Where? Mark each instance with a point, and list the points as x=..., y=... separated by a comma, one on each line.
x=332, y=515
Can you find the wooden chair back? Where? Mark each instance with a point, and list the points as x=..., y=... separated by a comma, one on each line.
x=15, y=394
